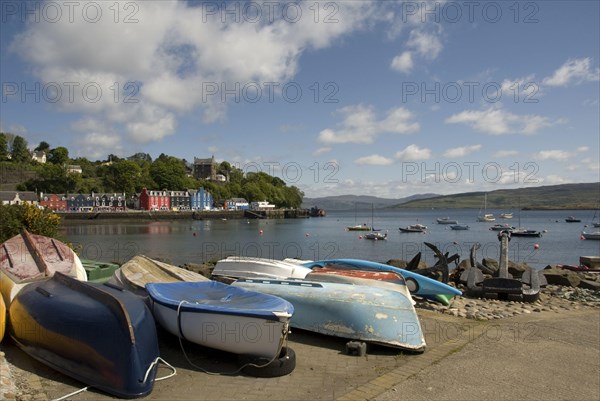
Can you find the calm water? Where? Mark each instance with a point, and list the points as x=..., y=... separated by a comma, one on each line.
x=320, y=238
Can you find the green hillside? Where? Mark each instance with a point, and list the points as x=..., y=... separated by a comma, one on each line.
x=566, y=196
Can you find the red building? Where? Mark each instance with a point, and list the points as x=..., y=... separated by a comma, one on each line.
x=55, y=202
x=155, y=200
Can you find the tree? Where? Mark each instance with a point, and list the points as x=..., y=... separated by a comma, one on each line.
x=3, y=147
x=168, y=172
x=36, y=221
x=19, y=152
x=59, y=156
x=125, y=174
x=42, y=147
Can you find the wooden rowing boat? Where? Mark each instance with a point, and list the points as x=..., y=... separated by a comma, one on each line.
x=141, y=270
x=27, y=257
x=102, y=336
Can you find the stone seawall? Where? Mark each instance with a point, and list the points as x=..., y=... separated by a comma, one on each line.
x=187, y=215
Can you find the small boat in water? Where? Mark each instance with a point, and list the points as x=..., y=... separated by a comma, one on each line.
x=506, y=215
x=223, y=317
x=446, y=220
x=523, y=232
x=376, y=315
x=572, y=219
x=501, y=227
x=414, y=228
x=594, y=235
x=460, y=227
x=100, y=335
x=29, y=257
x=376, y=236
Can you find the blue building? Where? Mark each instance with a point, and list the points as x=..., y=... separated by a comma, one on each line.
x=200, y=199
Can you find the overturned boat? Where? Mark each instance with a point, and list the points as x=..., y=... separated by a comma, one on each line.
x=359, y=312
x=27, y=257
x=141, y=270
x=100, y=335
x=223, y=317
x=417, y=284
x=248, y=267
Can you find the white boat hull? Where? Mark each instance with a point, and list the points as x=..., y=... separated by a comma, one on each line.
x=236, y=334
x=235, y=266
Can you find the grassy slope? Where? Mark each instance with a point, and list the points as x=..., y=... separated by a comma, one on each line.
x=566, y=196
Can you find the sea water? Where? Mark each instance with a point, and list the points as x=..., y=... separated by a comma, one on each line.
x=191, y=241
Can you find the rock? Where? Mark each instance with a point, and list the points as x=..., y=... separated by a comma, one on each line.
x=202, y=269
x=490, y=264
x=517, y=269
x=562, y=277
x=397, y=263
x=590, y=285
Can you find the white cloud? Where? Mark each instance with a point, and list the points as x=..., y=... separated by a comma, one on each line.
x=413, y=152
x=322, y=150
x=582, y=149
x=554, y=179
x=374, y=160
x=173, y=51
x=573, y=71
x=523, y=89
x=361, y=125
x=506, y=153
x=95, y=138
x=213, y=149
x=558, y=155
x=403, y=62
x=428, y=45
x=461, y=151
x=497, y=121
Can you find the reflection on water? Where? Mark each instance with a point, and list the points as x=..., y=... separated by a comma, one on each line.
x=320, y=238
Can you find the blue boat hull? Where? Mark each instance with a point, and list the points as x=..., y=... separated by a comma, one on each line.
x=371, y=314
x=419, y=285
x=96, y=334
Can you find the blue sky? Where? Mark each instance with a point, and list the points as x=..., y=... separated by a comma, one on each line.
x=380, y=98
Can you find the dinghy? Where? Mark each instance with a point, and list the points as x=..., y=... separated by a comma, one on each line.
x=2, y=318
x=141, y=270
x=223, y=317
x=359, y=312
x=417, y=284
x=29, y=257
x=247, y=267
x=102, y=336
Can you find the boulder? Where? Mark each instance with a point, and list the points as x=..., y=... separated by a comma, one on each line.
x=517, y=269
x=590, y=285
x=403, y=264
x=203, y=269
x=562, y=277
x=490, y=263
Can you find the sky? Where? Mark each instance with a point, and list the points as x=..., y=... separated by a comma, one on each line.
x=387, y=98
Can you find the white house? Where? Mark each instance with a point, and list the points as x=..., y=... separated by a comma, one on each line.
x=261, y=205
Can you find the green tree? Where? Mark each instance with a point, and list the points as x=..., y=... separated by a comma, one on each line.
x=42, y=147
x=168, y=172
x=3, y=147
x=125, y=174
x=36, y=221
x=19, y=152
x=59, y=156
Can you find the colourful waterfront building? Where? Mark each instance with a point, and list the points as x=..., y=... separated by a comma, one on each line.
x=200, y=199
x=55, y=202
x=155, y=200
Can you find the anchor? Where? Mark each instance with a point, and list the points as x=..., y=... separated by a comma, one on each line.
x=503, y=285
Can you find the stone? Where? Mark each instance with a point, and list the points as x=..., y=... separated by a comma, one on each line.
x=490, y=263
x=589, y=285
x=562, y=277
x=517, y=269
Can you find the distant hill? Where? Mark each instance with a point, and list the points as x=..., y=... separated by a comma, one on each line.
x=565, y=196
x=360, y=202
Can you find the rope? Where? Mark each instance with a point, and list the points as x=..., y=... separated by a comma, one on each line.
x=81, y=390
x=223, y=373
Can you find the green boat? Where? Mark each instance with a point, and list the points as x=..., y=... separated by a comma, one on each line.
x=98, y=272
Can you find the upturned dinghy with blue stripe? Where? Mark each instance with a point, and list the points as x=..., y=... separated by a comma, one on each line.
x=372, y=314
x=223, y=317
x=417, y=284
x=100, y=335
